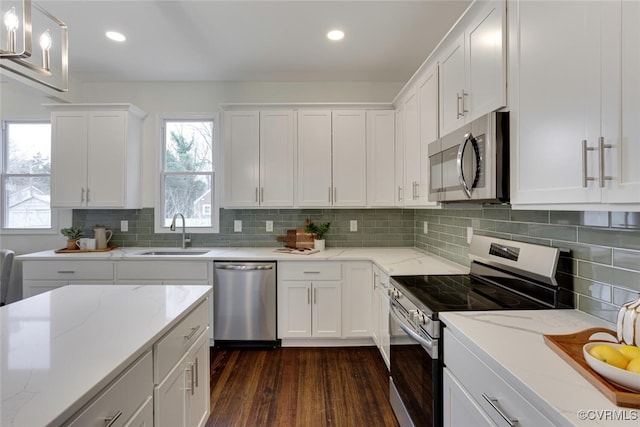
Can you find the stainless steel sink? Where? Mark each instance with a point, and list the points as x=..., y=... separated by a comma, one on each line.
x=174, y=252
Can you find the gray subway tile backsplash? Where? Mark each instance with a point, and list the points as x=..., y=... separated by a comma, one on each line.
x=603, y=257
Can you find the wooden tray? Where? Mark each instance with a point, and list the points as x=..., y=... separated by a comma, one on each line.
x=77, y=251
x=569, y=348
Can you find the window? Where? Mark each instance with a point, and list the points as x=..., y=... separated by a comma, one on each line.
x=187, y=176
x=26, y=176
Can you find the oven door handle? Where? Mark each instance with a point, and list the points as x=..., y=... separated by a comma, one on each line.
x=427, y=344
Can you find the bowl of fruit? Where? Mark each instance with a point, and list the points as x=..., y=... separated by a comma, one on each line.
x=618, y=363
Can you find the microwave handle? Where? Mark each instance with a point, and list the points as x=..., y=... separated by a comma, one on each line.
x=468, y=138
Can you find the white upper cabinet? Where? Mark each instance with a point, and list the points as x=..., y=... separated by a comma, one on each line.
x=96, y=156
x=314, y=158
x=242, y=157
x=259, y=158
x=418, y=120
x=473, y=66
x=621, y=161
x=349, y=153
x=411, y=146
x=574, y=103
x=381, y=184
x=332, y=157
x=399, y=152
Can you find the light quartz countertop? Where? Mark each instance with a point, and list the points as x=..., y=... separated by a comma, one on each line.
x=512, y=344
x=393, y=261
x=60, y=348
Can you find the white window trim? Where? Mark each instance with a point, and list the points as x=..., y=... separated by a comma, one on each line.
x=158, y=227
x=56, y=218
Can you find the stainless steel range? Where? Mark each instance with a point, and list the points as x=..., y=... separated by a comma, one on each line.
x=504, y=275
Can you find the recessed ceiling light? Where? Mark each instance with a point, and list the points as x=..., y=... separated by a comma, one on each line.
x=335, y=35
x=115, y=36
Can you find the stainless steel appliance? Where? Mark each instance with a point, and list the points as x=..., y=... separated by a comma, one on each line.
x=504, y=275
x=472, y=163
x=244, y=304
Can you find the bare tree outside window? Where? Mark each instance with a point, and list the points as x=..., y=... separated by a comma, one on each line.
x=188, y=176
x=26, y=175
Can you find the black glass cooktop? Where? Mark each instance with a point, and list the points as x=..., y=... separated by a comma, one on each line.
x=437, y=293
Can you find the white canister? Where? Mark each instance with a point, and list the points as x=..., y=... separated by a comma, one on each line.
x=628, y=324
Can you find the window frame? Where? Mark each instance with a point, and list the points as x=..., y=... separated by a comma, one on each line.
x=159, y=227
x=4, y=155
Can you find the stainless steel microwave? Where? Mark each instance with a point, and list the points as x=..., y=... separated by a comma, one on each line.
x=472, y=163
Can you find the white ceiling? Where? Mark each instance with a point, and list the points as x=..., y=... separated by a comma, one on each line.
x=208, y=40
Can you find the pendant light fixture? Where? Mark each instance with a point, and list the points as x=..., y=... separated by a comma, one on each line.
x=22, y=21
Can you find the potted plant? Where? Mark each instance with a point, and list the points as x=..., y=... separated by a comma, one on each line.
x=318, y=231
x=72, y=234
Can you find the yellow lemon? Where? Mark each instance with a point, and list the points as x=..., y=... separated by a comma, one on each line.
x=630, y=351
x=634, y=365
x=609, y=355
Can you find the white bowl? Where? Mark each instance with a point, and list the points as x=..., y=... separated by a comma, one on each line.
x=622, y=377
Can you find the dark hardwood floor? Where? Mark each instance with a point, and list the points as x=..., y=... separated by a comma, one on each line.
x=345, y=386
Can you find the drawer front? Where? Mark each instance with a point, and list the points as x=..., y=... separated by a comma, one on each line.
x=121, y=399
x=163, y=270
x=320, y=270
x=171, y=347
x=68, y=270
x=497, y=398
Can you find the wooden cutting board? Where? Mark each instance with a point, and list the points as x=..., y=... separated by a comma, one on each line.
x=569, y=348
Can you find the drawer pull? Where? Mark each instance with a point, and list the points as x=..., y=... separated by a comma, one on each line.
x=110, y=420
x=494, y=404
x=66, y=271
x=311, y=272
x=192, y=333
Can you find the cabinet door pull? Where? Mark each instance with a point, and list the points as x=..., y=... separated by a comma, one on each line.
x=494, y=404
x=315, y=295
x=192, y=333
x=308, y=296
x=87, y=195
x=256, y=196
x=111, y=420
x=585, y=175
x=464, y=94
x=82, y=195
x=196, y=374
x=601, y=147
x=399, y=193
x=458, y=99
x=190, y=369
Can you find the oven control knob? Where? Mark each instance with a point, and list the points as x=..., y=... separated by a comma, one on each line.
x=420, y=318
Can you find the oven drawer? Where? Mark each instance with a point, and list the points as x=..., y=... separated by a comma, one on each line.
x=499, y=400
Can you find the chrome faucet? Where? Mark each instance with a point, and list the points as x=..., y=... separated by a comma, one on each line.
x=185, y=239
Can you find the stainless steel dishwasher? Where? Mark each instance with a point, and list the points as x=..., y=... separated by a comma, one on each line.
x=244, y=304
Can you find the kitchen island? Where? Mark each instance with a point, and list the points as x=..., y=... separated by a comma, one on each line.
x=60, y=351
x=511, y=345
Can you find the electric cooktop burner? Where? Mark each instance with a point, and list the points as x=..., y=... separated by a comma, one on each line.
x=437, y=293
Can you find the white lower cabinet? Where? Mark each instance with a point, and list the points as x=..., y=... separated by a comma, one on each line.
x=459, y=407
x=356, y=299
x=43, y=276
x=182, y=398
x=380, y=314
x=122, y=400
x=474, y=391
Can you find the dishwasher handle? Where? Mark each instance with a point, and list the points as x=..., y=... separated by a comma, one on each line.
x=244, y=267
